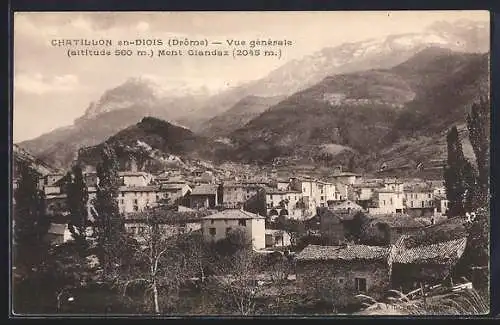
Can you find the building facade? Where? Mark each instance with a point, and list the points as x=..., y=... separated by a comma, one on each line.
x=339, y=273
x=217, y=226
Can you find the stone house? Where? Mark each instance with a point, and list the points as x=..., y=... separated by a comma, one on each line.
x=386, y=201
x=387, y=229
x=426, y=264
x=419, y=201
x=281, y=202
x=315, y=193
x=204, y=196
x=236, y=194
x=339, y=273
x=217, y=226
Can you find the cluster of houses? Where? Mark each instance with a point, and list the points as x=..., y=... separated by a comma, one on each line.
x=339, y=208
x=301, y=198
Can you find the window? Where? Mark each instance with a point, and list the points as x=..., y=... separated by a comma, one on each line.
x=411, y=204
x=132, y=229
x=429, y=196
x=122, y=201
x=360, y=284
x=242, y=223
x=135, y=201
x=212, y=221
x=341, y=280
x=423, y=204
x=228, y=229
x=391, y=201
x=383, y=202
x=212, y=231
x=322, y=198
x=136, y=208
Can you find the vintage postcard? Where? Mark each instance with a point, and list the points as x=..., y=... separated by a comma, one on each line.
x=251, y=163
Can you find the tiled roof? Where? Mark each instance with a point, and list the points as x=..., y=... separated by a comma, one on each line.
x=443, y=252
x=205, y=189
x=347, y=253
x=232, y=214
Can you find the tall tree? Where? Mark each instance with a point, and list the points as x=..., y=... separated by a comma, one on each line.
x=478, y=124
x=159, y=264
x=30, y=221
x=459, y=177
x=77, y=200
x=108, y=225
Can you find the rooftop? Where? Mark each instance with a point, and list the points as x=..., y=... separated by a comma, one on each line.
x=443, y=252
x=346, y=253
x=234, y=214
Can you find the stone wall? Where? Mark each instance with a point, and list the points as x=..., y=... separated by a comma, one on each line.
x=335, y=280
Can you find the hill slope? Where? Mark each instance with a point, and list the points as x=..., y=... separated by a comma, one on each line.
x=22, y=156
x=368, y=111
x=151, y=143
x=240, y=114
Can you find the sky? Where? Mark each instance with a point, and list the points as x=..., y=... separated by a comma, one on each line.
x=52, y=89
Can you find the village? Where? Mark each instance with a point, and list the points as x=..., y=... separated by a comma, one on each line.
x=344, y=237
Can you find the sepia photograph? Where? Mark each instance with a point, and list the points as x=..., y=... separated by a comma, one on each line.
x=241, y=164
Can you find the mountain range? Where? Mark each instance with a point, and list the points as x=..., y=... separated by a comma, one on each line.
x=355, y=99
